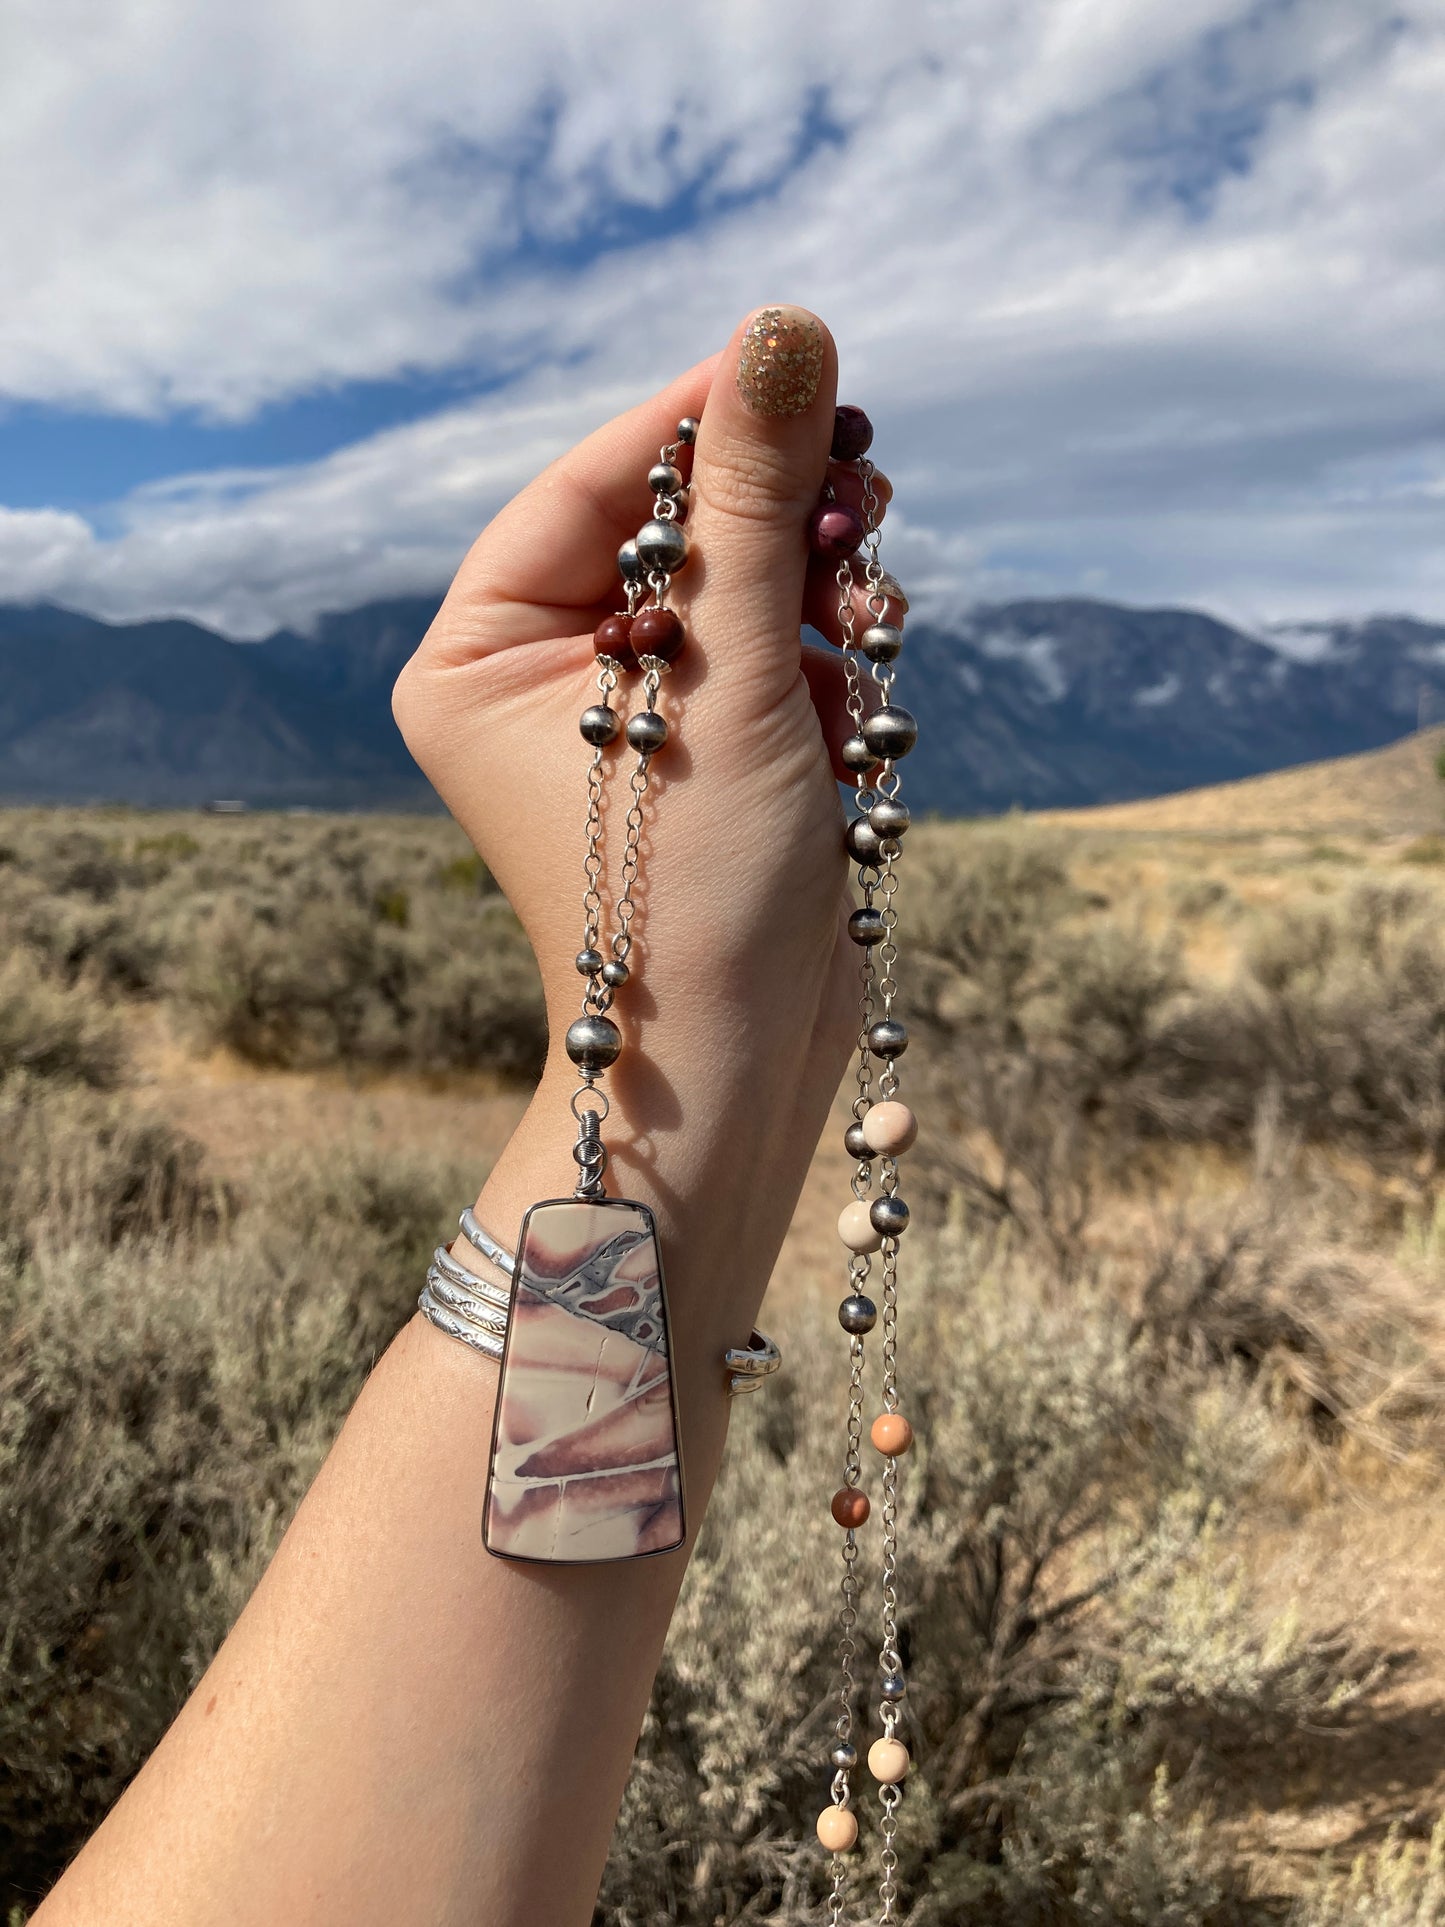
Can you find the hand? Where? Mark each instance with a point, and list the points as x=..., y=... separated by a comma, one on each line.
x=742, y=1003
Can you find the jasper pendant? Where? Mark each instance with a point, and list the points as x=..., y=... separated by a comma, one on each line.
x=586, y=1461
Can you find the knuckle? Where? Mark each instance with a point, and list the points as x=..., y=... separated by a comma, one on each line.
x=750, y=483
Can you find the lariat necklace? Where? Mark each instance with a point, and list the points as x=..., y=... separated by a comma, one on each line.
x=586, y=1462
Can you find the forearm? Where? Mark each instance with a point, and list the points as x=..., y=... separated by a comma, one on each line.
x=401, y=1728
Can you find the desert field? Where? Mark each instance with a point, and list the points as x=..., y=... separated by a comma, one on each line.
x=1177, y=1353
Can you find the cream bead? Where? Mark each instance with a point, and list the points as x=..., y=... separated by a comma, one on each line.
x=888, y=1761
x=855, y=1227
x=837, y=1829
x=890, y=1128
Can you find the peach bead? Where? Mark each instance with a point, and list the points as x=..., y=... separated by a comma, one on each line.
x=837, y=1829
x=891, y=1434
x=855, y=1227
x=890, y=1129
x=888, y=1761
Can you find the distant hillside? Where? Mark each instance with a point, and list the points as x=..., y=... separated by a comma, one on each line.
x=1050, y=703
x=1386, y=792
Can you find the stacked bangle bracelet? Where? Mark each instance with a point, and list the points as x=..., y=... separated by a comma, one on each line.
x=474, y=1310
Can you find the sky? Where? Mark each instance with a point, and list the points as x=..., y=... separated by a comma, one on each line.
x=1145, y=297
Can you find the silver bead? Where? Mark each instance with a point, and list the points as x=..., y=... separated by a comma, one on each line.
x=881, y=641
x=888, y=1038
x=862, y=840
x=857, y=755
x=593, y=1043
x=646, y=731
x=890, y=732
x=687, y=430
x=889, y=1215
x=599, y=724
x=630, y=564
x=857, y=1314
x=589, y=962
x=662, y=545
x=888, y=819
x=844, y=1756
x=854, y=1142
x=615, y=973
x=664, y=479
x=893, y=1686
x=867, y=927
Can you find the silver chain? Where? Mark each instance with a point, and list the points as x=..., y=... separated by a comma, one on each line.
x=878, y=882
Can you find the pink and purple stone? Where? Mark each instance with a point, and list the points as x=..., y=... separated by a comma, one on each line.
x=835, y=529
x=852, y=434
x=585, y=1460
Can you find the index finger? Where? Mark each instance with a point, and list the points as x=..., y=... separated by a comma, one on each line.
x=551, y=554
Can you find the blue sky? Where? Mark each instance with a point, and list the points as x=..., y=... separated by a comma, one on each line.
x=1145, y=296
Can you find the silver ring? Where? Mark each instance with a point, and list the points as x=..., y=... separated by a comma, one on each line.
x=454, y=1327
x=465, y=1305
x=748, y=1365
x=465, y=1280
x=483, y=1241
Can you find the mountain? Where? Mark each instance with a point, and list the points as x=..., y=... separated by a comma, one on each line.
x=171, y=713
x=1049, y=703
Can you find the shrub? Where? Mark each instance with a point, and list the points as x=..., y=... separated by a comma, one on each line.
x=166, y=1395
x=1066, y=1522
x=54, y=1031
x=1401, y=1885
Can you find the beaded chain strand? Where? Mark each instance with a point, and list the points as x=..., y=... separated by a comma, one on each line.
x=882, y=1130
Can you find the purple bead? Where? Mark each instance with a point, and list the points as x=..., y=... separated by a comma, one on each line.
x=835, y=529
x=852, y=434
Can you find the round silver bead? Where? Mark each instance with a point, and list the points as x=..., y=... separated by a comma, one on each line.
x=854, y=1142
x=687, y=430
x=866, y=927
x=862, y=840
x=662, y=545
x=888, y=1038
x=593, y=1043
x=615, y=973
x=890, y=732
x=889, y=1216
x=589, y=962
x=857, y=755
x=881, y=641
x=844, y=1756
x=664, y=479
x=599, y=724
x=630, y=564
x=646, y=731
x=888, y=819
x=893, y=1686
x=857, y=1314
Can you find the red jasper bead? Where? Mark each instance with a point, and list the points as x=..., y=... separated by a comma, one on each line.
x=850, y=1507
x=852, y=434
x=613, y=638
x=836, y=529
x=657, y=632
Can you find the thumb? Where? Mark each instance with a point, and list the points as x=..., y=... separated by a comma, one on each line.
x=760, y=459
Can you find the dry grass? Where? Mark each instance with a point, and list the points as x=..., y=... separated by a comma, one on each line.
x=1394, y=791
x=1173, y=1550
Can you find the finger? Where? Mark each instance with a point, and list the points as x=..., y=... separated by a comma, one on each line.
x=563, y=531
x=759, y=463
x=847, y=486
x=828, y=686
x=822, y=596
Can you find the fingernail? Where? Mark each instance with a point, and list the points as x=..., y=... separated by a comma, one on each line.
x=893, y=589
x=780, y=362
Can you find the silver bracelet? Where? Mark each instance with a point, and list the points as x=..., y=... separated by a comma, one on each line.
x=475, y=1310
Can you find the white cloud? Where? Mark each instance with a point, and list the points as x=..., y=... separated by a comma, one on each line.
x=1144, y=296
